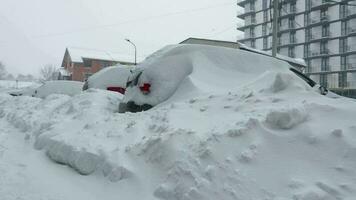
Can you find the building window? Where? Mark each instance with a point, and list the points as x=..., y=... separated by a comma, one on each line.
x=343, y=28
x=264, y=29
x=265, y=43
x=252, y=32
x=309, y=69
x=265, y=16
x=253, y=19
x=291, y=23
x=292, y=38
x=264, y=4
x=306, y=51
x=323, y=80
x=307, y=35
x=253, y=44
x=343, y=62
x=306, y=19
x=323, y=14
x=342, y=79
x=343, y=11
x=325, y=31
x=87, y=62
x=293, y=7
x=325, y=64
x=252, y=6
x=308, y=4
x=343, y=45
x=324, y=48
x=291, y=52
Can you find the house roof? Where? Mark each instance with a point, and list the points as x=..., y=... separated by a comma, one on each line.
x=78, y=54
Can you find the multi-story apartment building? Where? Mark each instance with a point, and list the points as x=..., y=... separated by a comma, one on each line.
x=320, y=31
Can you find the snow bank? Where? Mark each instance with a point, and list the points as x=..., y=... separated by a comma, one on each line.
x=271, y=138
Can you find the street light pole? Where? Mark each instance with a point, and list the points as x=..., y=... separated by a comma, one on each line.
x=135, y=50
x=275, y=27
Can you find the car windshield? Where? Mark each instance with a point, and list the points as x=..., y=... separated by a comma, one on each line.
x=304, y=77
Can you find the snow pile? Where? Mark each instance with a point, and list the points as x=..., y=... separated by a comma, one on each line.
x=270, y=138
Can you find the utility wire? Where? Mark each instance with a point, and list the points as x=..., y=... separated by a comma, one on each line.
x=223, y=31
x=138, y=20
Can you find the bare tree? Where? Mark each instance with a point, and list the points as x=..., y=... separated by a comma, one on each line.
x=47, y=72
x=3, y=72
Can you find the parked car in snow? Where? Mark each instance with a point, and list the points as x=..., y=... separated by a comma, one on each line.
x=112, y=78
x=70, y=88
x=198, y=68
x=25, y=91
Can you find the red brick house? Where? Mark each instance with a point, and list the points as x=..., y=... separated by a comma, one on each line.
x=78, y=64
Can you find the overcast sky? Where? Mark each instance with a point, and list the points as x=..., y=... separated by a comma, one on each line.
x=36, y=32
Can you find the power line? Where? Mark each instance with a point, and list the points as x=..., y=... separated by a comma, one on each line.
x=142, y=19
x=223, y=31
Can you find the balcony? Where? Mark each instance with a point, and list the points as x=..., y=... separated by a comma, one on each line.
x=320, y=37
x=291, y=12
x=288, y=1
x=243, y=2
x=351, y=31
x=248, y=11
x=351, y=66
x=319, y=4
x=351, y=13
x=323, y=53
x=248, y=24
x=318, y=21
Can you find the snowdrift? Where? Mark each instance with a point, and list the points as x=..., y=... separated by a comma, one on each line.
x=271, y=138
x=200, y=69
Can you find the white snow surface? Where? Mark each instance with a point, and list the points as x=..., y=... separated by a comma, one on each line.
x=272, y=138
x=110, y=76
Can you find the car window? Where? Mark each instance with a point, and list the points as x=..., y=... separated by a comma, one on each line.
x=304, y=77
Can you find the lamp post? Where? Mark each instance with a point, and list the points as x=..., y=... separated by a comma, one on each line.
x=128, y=40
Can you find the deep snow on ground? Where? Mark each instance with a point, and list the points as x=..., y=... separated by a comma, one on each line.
x=271, y=139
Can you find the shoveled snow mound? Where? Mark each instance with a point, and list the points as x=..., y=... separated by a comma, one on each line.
x=208, y=69
x=262, y=140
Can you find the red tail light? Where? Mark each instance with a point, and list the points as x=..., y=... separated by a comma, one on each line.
x=145, y=88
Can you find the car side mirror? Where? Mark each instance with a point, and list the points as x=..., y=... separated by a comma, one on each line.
x=323, y=90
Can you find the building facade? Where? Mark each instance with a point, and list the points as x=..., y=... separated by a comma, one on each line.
x=320, y=31
x=78, y=64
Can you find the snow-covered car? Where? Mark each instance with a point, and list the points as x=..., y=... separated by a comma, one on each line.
x=70, y=88
x=25, y=91
x=112, y=78
x=178, y=70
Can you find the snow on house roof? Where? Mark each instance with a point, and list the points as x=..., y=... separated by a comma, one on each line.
x=77, y=55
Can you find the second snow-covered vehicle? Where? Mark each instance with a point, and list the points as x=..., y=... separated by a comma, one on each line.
x=180, y=70
x=112, y=78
